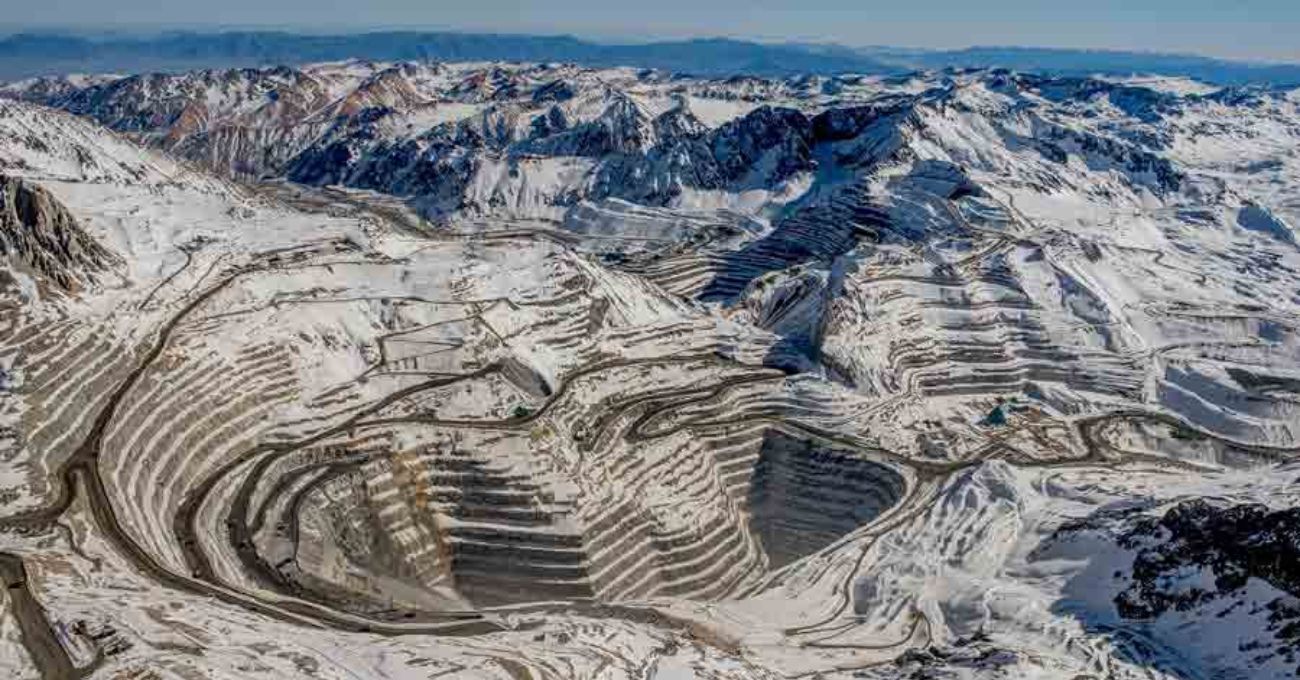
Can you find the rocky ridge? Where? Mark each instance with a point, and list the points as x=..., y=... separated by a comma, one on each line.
x=39, y=235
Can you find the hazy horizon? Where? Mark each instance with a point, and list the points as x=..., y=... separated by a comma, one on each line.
x=1254, y=30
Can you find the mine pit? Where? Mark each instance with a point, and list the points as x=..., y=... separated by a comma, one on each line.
x=494, y=537
x=805, y=495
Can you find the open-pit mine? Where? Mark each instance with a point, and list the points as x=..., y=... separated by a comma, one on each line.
x=423, y=370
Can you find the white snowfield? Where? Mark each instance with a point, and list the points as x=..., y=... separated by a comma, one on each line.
x=531, y=371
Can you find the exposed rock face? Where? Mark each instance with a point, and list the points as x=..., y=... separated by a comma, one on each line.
x=242, y=122
x=1235, y=543
x=775, y=140
x=37, y=233
x=622, y=128
x=1216, y=562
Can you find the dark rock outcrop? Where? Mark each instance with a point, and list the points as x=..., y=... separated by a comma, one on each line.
x=38, y=234
x=1236, y=543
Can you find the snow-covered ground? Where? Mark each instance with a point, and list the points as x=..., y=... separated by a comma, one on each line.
x=495, y=370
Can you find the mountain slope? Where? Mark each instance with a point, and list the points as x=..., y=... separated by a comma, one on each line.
x=518, y=370
x=38, y=234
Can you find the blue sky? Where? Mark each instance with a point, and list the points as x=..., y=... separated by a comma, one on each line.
x=1245, y=29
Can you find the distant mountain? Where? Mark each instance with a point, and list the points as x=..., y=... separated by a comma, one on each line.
x=33, y=54
x=1089, y=62
x=24, y=55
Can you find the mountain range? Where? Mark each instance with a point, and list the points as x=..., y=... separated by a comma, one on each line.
x=28, y=54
